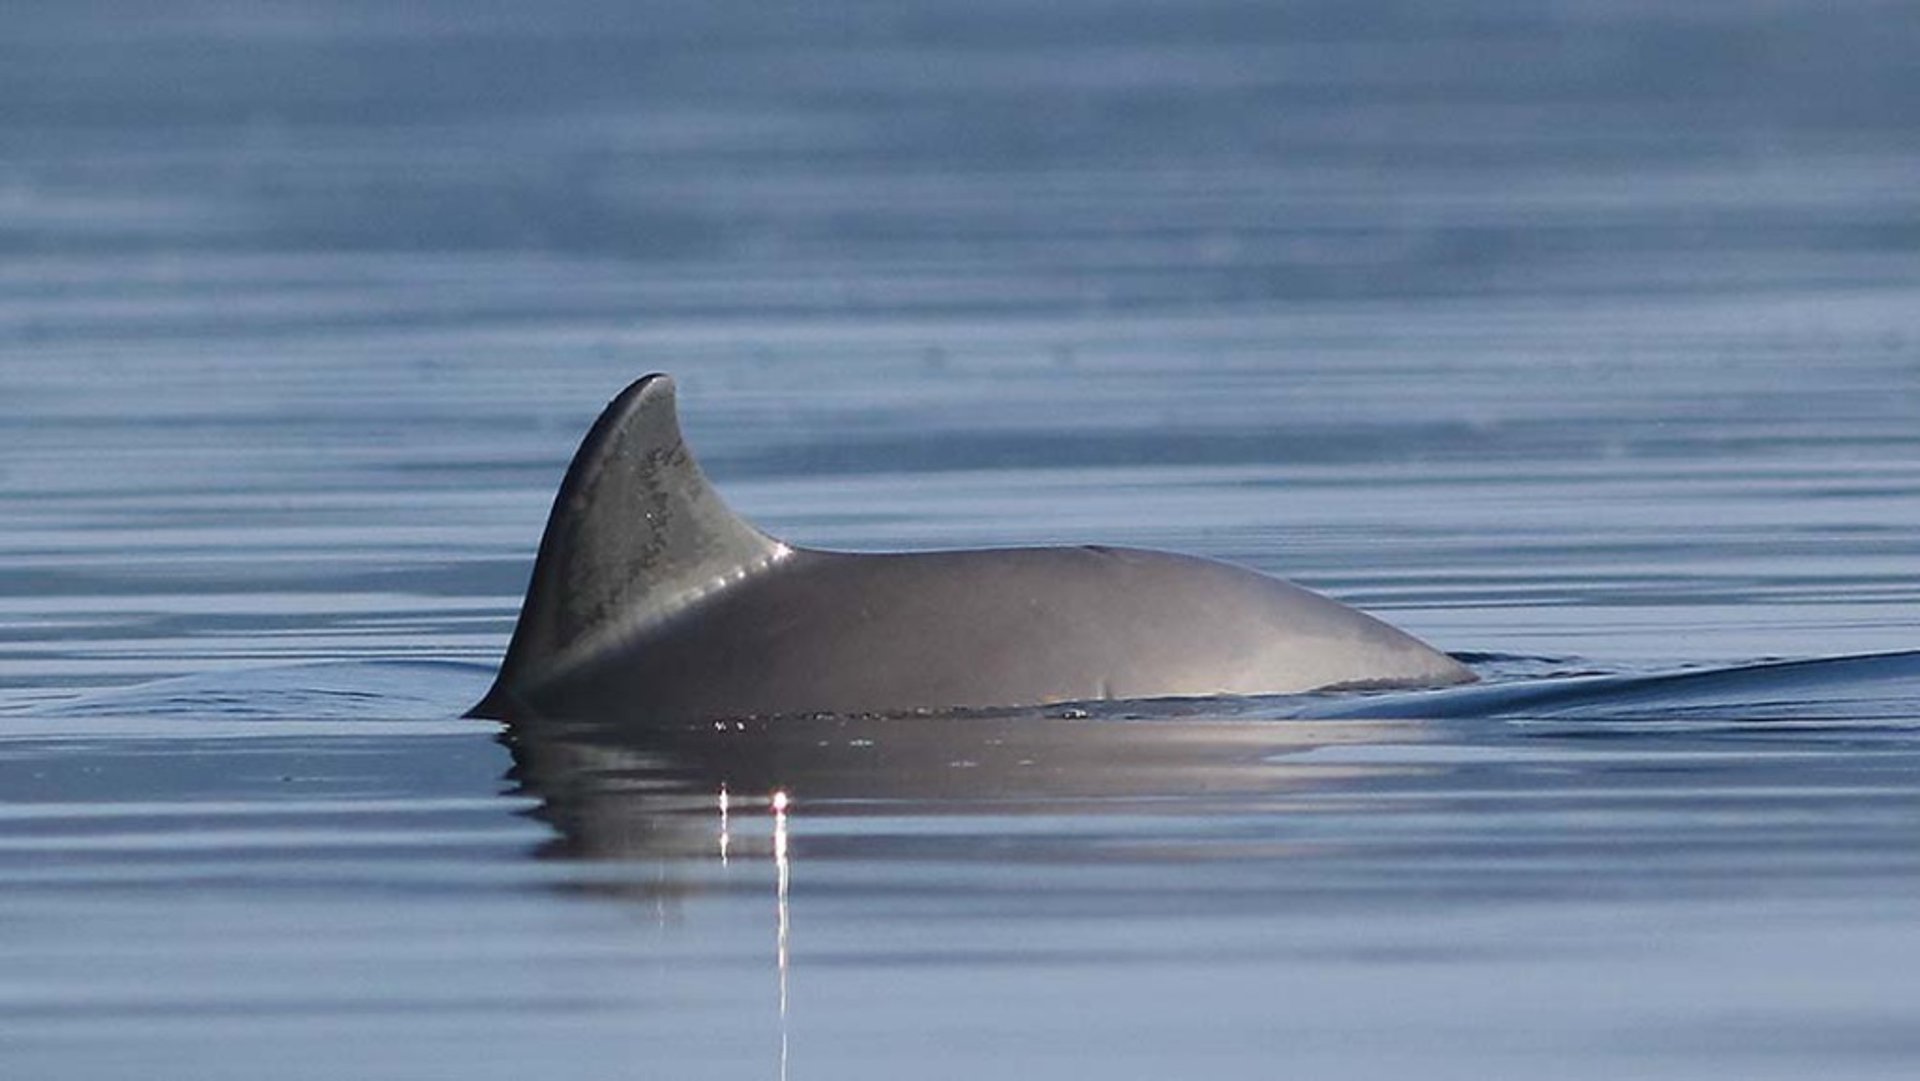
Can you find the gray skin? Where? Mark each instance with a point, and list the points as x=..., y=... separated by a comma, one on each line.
x=651, y=601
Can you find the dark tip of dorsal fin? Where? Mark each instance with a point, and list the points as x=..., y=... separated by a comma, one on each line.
x=636, y=534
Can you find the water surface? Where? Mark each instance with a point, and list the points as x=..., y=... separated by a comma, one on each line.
x=1583, y=342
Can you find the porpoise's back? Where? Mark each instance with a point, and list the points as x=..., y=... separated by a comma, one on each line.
x=652, y=600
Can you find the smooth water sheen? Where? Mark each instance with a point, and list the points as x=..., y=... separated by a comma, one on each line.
x=1582, y=340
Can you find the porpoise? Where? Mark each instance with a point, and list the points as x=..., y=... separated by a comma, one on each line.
x=653, y=602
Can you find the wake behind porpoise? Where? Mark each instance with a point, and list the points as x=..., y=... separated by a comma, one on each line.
x=1877, y=687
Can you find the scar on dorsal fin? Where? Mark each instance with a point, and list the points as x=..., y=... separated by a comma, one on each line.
x=636, y=534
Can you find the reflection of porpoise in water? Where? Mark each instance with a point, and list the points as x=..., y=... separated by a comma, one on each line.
x=651, y=599
x=616, y=792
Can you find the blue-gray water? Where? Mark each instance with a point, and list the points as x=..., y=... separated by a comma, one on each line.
x=1582, y=339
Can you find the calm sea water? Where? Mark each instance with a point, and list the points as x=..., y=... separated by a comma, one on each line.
x=1582, y=339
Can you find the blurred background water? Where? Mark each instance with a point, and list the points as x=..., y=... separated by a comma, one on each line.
x=1582, y=339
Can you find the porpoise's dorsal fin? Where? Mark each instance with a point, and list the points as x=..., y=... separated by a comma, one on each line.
x=636, y=534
